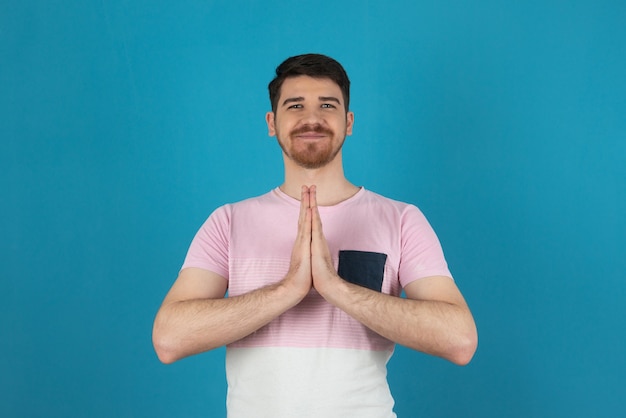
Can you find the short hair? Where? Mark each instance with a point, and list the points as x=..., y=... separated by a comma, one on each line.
x=312, y=65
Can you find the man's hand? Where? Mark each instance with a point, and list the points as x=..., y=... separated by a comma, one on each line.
x=311, y=262
x=324, y=274
x=299, y=276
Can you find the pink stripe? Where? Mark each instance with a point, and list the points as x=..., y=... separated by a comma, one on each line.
x=313, y=323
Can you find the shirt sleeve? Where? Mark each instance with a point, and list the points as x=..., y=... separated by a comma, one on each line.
x=209, y=248
x=422, y=255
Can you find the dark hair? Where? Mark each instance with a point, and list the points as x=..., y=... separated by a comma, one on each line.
x=312, y=65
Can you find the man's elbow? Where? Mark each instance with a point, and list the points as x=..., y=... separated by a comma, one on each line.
x=164, y=356
x=164, y=345
x=464, y=349
x=163, y=351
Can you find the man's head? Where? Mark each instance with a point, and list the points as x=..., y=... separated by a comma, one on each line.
x=312, y=65
x=309, y=116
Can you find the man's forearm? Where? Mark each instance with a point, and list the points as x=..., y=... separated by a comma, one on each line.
x=187, y=327
x=434, y=327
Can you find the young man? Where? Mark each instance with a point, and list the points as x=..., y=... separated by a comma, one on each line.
x=314, y=270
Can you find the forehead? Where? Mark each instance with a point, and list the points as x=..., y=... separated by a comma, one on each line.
x=303, y=86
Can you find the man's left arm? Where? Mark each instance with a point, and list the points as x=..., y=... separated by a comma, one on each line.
x=434, y=317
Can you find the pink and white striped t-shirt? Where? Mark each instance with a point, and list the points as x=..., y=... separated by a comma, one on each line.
x=314, y=360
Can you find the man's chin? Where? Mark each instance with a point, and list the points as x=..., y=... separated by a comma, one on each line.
x=309, y=164
x=312, y=155
x=309, y=161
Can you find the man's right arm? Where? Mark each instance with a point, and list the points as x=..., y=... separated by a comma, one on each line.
x=195, y=317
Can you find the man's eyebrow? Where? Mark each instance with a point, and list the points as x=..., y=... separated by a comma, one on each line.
x=320, y=98
x=293, y=100
x=329, y=99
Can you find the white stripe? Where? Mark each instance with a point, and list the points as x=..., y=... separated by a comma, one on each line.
x=307, y=383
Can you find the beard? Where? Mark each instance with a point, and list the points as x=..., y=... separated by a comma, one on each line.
x=314, y=154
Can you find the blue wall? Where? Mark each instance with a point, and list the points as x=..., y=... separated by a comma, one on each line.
x=123, y=124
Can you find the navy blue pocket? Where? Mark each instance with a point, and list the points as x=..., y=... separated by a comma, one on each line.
x=363, y=268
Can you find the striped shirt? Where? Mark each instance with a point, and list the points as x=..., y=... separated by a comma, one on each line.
x=314, y=360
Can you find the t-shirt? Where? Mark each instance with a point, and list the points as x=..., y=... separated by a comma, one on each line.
x=314, y=360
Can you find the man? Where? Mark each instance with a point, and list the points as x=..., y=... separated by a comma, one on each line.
x=314, y=270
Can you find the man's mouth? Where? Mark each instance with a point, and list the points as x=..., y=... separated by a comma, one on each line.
x=310, y=135
x=311, y=132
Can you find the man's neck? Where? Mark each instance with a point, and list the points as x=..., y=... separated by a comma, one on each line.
x=330, y=181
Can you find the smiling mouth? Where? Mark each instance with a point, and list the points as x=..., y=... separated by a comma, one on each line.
x=311, y=132
x=310, y=135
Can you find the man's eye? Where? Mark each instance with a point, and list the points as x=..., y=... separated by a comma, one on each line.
x=328, y=106
x=295, y=106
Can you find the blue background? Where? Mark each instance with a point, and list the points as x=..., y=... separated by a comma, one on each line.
x=123, y=124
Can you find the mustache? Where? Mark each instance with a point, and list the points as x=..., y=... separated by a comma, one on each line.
x=317, y=128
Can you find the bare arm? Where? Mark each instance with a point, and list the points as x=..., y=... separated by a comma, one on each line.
x=195, y=317
x=433, y=319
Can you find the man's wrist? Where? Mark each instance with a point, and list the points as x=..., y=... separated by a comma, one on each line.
x=290, y=289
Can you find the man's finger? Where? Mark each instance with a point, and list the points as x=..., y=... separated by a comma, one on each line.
x=304, y=205
x=316, y=220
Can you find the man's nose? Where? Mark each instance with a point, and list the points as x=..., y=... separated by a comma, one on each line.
x=312, y=116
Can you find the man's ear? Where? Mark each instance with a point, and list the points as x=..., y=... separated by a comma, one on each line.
x=349, y=123
x=271, y=128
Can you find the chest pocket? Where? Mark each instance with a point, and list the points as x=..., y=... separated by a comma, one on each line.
x=363, y=268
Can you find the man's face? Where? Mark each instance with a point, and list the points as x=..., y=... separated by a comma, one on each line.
x=310, y=122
